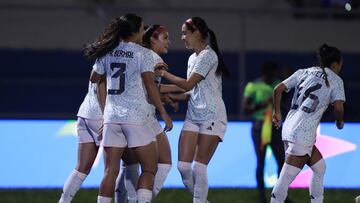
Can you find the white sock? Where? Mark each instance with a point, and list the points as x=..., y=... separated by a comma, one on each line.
x=131, y=179
x=71, y=186
x=144, y=196
x=316, y=185
x=287, y=176
x=102, y=199
x=186, y=175
x=161, y=174
x=120, y=190
x=200, y=183
x=357, y=199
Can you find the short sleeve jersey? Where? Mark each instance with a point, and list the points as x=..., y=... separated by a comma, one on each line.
x=90, y=107
x=157, y=59
x=310, y=100
x=126, y=100
x=205, y=103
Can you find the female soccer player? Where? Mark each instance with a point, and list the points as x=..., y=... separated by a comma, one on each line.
x=315, y=89
x=206, y=119
x=156, y=38
x=89, y=125
x=127, y=116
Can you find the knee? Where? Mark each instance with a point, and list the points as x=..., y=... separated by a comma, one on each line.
x=152, y=169
x=84, y=169
x=111, y=171
x=319, y=167
x=184, y=167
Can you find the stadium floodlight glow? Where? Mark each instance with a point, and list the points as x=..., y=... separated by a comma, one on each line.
x=348, y=7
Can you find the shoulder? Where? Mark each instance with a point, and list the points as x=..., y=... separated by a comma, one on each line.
x=309, y=69
x=332, y=74
x=302, y=71
x=192, y=56
x=334, y=78
x=208, y=52
x=142, y=49
x=156, y=57
x=146, y=53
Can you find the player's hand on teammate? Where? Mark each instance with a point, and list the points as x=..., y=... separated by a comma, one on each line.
x=340, y=124
x=168, y=100
x=160, y=68
x=277, y=120
x=168, y=122
x=161, y=65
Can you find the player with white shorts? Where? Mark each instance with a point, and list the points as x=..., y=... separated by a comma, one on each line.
x=89, y=124
x=156, y=38
x=315, y=89
x=206, y=118
x=128, y=68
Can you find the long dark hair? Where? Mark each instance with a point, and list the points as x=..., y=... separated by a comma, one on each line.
x=120, y=28
x=152, y=31
x=326, y=56
x=197, y=23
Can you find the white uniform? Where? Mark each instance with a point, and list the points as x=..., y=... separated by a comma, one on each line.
x=156, y=125
x=157, y=59
x=127, y=108
x=90, y=107
x=311, y=99
x=206, y=111
x=89, y=117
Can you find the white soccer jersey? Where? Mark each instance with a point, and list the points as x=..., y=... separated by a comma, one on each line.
x=205, y=103
x=157, y=59
x=311, y=98
x=126, y=101
x=90, y=107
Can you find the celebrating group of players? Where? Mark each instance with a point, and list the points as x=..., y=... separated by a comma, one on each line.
x=125, y=92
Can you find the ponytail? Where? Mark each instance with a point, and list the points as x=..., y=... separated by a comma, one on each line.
x=221, y=69
x=328, y=55
x=197, y=23
x=109, y=39
x=118, y=29
x=326, y=77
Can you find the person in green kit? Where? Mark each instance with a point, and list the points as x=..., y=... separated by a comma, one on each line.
x=257, y=104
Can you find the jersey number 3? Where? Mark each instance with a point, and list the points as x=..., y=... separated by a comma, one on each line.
x=118, y=72
x=307, y=95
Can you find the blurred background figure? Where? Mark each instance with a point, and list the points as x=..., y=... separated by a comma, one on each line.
x=257, y=104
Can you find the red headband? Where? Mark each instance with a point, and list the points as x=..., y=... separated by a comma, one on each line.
x=191, y=23
x=159, y=30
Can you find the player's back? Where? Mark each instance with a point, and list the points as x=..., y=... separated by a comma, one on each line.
x=311, y=98
x=126, y=100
